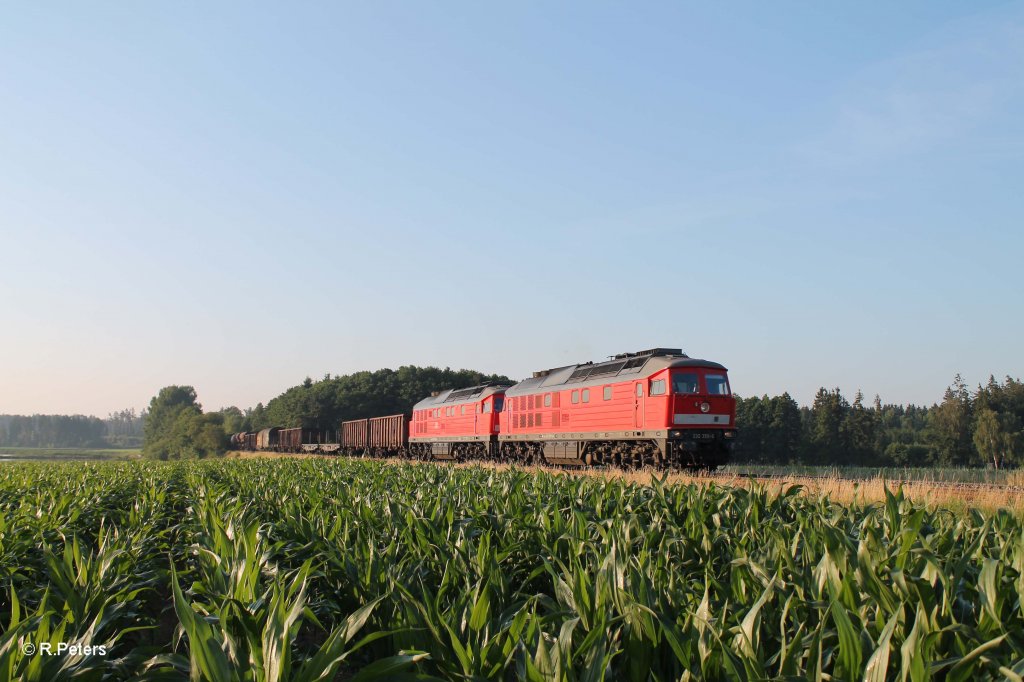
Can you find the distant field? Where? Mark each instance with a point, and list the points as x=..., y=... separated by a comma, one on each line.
x=954, y=489
x=68, y=453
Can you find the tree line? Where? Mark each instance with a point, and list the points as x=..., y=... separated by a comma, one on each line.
x=326, y=403
x=178, y=428
x=119, y=430
x=966, y=429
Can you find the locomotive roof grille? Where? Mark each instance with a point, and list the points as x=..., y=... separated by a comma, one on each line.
x=465, y=393
x=651, y=353
x=581, y=373
x=624, y=363
x=460, y=395
x=593, y=371
x=610, y=368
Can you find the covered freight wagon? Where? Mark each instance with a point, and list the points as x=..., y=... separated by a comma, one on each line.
x=292, y=440
x=267, y=438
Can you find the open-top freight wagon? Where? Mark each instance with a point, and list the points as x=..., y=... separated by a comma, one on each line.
x=377, y=436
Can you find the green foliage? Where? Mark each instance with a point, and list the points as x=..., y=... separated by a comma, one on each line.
x=234, y=420
x=828, y=437
x=355, y=569
x=950, y=424
x=770, y=428
x=52, y=431
x=324, y=404
x=119, y=430
x=176, y=427
x=964, y=430
x=998, y=437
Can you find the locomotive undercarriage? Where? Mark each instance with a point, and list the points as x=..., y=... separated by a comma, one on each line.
x=451, y=452
x=624, y=454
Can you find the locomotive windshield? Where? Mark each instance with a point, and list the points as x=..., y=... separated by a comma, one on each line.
x=684, y=383
x=716, y=383
x=498, y=404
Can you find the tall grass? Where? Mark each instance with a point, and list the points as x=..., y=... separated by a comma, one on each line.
x=924, y=474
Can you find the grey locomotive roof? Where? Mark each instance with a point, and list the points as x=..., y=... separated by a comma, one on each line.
x=458, y=396
x=622, y=368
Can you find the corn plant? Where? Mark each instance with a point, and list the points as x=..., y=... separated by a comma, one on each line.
x=308, y=569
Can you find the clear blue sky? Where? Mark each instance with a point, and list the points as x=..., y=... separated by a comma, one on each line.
x=236, y=196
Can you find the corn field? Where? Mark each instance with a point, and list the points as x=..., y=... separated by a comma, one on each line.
x=359, y=570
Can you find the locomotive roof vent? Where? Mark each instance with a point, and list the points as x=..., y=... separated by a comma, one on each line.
x=471, y=392
x=653, y=352
x=542, y=373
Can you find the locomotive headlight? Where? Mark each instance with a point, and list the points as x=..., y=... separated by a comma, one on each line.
x=730, y=434
x=705, y=407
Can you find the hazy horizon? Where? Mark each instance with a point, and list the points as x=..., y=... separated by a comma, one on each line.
x=243, y=195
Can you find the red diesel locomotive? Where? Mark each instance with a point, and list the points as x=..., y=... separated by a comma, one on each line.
x=653, y=408
x=657, y=407
x=457, y=424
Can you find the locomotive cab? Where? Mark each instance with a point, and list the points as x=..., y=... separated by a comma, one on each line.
x=701, y=396
x=702, y=420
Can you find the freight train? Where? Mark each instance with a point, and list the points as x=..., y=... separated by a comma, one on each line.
x=657, y=407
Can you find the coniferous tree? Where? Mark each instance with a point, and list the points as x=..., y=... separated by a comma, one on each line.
x=828, y=438
x=951, y=423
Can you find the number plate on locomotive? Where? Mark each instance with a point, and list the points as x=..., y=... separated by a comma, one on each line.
x=703, y=436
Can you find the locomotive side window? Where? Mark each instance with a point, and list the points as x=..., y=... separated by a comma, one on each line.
x=658, y=387
x=487, y=408
x=463, y=410
x=575, y=397
x=717, y=384
x=607, y=392
x=684, y=382
x=586, y=395
x=547, y=400
x=639, y=390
